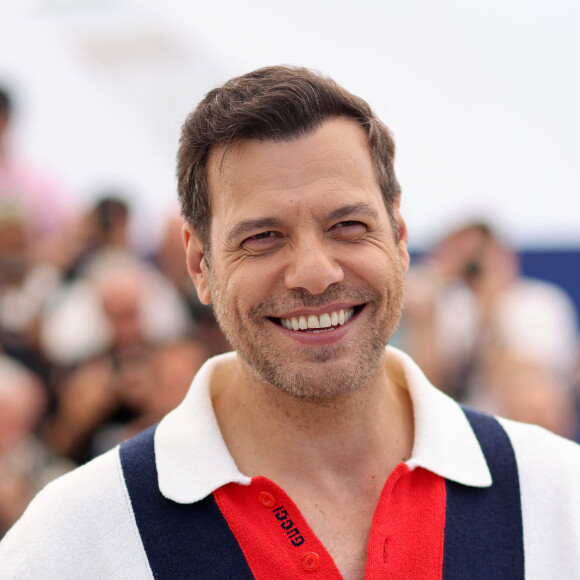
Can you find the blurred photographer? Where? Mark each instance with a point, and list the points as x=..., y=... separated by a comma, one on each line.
x=469, y=307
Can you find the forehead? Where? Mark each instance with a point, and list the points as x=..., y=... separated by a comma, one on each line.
x=334, y=162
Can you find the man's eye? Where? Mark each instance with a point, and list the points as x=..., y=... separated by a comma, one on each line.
x=262, y=236
x=349, y=224
x=262, y=241
x=349, y=228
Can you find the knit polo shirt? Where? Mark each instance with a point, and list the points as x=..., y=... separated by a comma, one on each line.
x=174, y=496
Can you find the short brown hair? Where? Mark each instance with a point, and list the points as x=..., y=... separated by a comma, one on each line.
x=277, y=103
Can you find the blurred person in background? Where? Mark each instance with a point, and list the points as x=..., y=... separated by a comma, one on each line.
x=469, y=309
x=151, y=386
x=26, y=286
x=527, y=391
x=26, y=464
x=101, y=325
x=103, y=226
x=107, y=270
x=49, y=210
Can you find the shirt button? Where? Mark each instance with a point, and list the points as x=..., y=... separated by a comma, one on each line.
x=266, y=499
x=310, y=561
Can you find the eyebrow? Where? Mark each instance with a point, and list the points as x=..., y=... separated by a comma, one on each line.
x=360, y=208
x=250, y=226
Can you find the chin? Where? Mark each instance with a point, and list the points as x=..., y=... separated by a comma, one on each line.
x=321, y=381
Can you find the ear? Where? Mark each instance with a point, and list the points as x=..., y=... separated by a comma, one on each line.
x=403, y=234
x=196, y=264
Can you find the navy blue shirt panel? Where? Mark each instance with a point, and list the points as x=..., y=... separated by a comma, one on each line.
x=182, y=542
x=483, y=526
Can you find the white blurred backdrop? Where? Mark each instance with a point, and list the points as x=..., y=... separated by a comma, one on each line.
x=482, y=97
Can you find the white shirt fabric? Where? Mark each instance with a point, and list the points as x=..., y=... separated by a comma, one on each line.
x=82, y=525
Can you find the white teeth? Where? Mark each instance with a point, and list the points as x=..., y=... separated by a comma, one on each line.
x=313, y=321
x=326, y=320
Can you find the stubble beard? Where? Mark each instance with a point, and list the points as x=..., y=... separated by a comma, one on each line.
x=316, y=376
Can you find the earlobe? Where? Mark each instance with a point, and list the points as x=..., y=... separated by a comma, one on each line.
x=196, y=265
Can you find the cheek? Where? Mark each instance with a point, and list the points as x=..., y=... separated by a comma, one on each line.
x=384, y=272
x=228, y=294
x=372, y=266
x=253, y=279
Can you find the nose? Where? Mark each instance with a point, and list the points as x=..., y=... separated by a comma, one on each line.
x=312, y=268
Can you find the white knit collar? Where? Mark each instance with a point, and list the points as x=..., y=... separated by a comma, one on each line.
x=193, y=460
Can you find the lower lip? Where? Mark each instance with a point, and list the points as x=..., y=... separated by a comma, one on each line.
x=320, y=337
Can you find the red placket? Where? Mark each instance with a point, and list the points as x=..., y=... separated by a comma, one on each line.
x=405, y=542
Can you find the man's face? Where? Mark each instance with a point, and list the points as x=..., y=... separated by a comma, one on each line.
x=305, y=275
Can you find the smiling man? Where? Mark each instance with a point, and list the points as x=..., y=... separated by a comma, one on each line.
x=314, y=450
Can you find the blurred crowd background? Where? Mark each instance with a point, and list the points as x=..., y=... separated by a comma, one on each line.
x=100, y=333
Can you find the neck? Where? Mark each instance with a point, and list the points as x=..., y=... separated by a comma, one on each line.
x=271, y=433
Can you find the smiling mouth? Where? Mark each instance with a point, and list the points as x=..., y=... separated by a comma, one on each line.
x=313, y=323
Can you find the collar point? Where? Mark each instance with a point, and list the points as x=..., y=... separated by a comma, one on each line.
x=476, y=476
x=183, y=494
